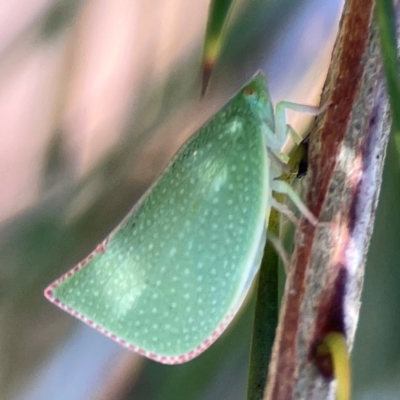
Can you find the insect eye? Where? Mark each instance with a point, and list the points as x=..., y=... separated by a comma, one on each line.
x=249, y=91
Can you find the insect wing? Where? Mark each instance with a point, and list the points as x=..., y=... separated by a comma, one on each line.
x=169, y=279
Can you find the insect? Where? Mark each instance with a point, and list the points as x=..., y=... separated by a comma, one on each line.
x=170, y=278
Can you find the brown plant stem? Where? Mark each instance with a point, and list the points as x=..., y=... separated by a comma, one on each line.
x=346, y=154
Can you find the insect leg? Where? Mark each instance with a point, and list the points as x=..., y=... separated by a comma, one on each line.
x=282, y=253
x=284, y=188
x=283, y=129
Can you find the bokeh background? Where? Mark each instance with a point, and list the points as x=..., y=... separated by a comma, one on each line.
x=95, y=97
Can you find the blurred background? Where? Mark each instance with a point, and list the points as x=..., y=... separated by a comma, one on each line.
x=95, y=97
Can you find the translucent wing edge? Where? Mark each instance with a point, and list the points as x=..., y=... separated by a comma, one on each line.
x=164, y=359
x=171, y=360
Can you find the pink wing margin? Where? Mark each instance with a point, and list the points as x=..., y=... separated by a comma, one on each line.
x=171, y=360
